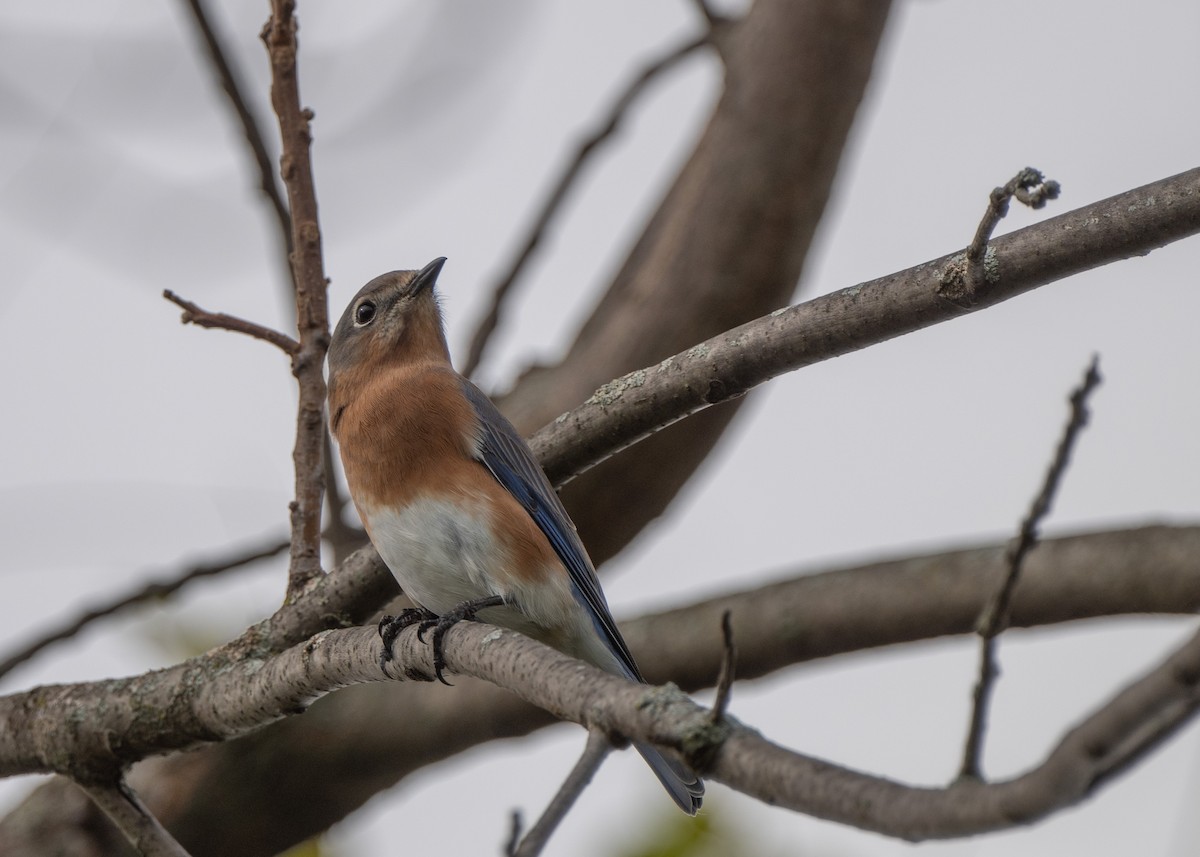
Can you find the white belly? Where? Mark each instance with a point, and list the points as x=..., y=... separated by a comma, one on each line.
x=439, y=553
x=443, y=555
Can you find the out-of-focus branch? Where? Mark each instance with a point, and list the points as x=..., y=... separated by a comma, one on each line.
x=312, y=311
x=994, y=618
x=235, y=89
x=726, y=243
x=127, y=811
x=633, y=407
x=154, y=590
x=616, y=113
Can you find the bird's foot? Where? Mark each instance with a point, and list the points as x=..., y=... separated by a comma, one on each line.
x=391, y=626
x=442, y=624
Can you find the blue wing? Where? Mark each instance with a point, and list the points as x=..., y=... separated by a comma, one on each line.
x=507, y=456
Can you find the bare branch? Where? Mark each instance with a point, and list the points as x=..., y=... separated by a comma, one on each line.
x=128, y=812
x=487, y=326
x=235, y=89
x=725, y=367
x=312, y=311
x=594, y=754
x=1148, y=570
x=728, y=672
x=192, y=314
x=995, y=616
x=154, y=590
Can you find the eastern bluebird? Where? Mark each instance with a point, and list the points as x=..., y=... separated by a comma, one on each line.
x=452, y=498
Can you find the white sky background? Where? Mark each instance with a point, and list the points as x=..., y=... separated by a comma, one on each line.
x=133, y=445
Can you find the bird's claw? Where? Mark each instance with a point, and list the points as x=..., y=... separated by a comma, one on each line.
x=441, y=624
x=391, y=626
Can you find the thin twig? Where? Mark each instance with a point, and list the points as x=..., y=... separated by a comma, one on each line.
x=566, y=180
x=193, y=314
x=126, y=810
x=312, y=309
x=514, y=833
x=155, y=590
x=995, y=616
x=594, y=753
x=978, y=270
x=728, y=670
x=235, y=88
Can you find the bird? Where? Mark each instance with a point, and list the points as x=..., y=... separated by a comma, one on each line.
x=453, y=499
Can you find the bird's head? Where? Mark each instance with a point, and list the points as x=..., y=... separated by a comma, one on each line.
x=394, y=319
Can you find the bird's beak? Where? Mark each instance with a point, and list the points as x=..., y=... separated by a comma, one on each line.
x=426, y=277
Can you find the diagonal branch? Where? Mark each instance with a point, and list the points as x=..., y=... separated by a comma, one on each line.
x=128, y=813
x=153, y=590
x=995, y=616
x=534, y=842
x=487, y=326
x=312, y=311
x=193, y=314
x=235, y=89
x=725, y=367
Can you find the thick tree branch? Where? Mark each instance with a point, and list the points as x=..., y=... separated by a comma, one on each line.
x=727, y=243
x=215, y=696
x=312, y=311
x=1129, y=724
x=388, y=732
x=725, y=367
x=1107, y=741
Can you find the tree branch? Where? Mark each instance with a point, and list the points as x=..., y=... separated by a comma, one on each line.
x=312, y=312
x=235, y=89
x=232, y=690
x=727, y=243
x=594, y=753
x=633, y=407
x=153, y=590
x=488, y=324
x=1149, y=570
x=995, y=616
x=128, y=812
x=193, y=314
x=1110, y=739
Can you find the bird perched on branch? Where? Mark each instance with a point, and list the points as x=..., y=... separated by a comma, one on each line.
x=452, y=498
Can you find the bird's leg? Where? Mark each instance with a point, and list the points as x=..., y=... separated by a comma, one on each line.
x=442, y=624
x=391, y=626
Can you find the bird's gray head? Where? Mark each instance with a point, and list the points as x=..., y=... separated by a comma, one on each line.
x=393, y=318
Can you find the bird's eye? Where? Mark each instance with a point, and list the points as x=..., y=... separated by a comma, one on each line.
x=365, y=313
